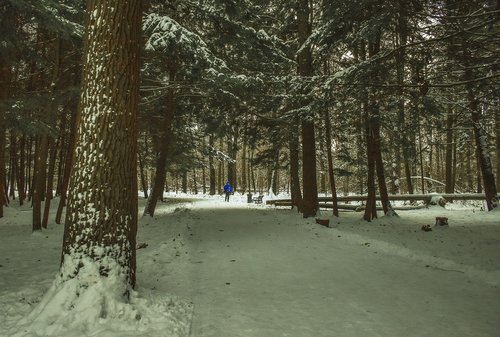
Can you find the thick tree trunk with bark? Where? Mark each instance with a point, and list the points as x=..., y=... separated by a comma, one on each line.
x=304, y=60
x=101, y=218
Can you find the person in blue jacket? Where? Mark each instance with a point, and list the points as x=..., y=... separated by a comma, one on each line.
x=227, y=190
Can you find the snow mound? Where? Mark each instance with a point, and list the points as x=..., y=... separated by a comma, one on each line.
x=92, y=305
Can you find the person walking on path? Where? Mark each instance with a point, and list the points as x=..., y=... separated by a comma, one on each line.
x=227, y=190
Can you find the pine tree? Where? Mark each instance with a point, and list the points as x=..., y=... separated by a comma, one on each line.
x=101, y=217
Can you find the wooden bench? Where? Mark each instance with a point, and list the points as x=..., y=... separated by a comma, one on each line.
x=258, y=199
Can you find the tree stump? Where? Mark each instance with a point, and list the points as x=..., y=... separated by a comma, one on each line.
x=323, y=222
x=441, y=221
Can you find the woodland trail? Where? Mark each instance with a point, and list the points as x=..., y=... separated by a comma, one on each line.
x=252, y=271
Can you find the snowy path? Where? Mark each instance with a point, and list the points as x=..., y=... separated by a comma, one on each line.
x=249, y=276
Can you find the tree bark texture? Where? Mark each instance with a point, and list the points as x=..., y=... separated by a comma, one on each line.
x=304, y=59
x=101, y=217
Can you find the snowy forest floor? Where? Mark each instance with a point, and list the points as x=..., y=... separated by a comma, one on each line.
x=236, y=269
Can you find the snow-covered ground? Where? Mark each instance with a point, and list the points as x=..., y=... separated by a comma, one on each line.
x=220, y=269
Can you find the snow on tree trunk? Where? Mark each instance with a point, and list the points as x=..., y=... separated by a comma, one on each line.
x=101, y=219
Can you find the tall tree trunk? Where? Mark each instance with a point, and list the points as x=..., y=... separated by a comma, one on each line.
x=62, y=141
x=232, y=148
x=304, y=60
x=161, y=159
x=322, y=165
x=483, y=155
x=497, y=134
x=204, y=179
x=449, y=182
x=361, y=149
x=13, y=166
x=68, y=158
x=480, y=137
x=252, y=173
x=275, y=176
x=101, y=218
x=144, y=183
x=379, y=165
x=421, y=157
x=195, y=184
x=400, y=73
x=50, y=182
x=184, y=182
x=370, y=207
x=39, y=180
x=21, y=174
x=30, y=168
x=220, y=178
x=295, y=191
x=211, y=165
x=331, y=176
x=468, y=165
x=5, y=75
x=244, y=184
